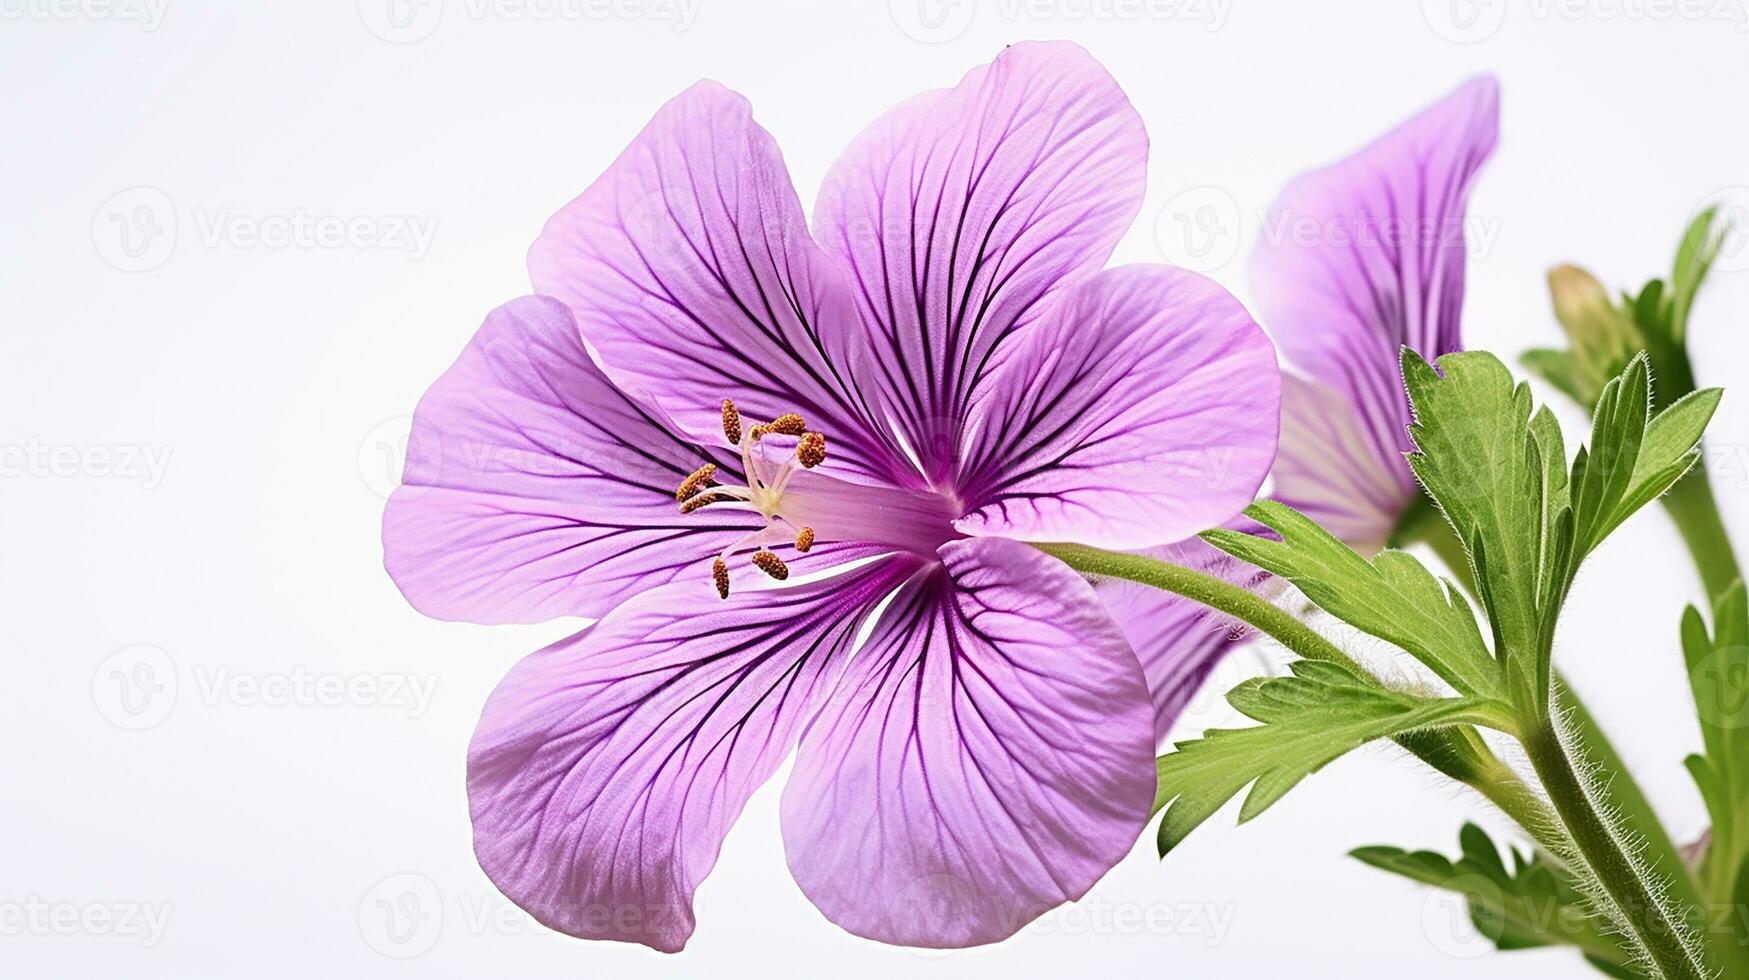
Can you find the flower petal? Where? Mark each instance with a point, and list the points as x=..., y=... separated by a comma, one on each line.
x=608, y=767
x=961, y=211
x=1177, y=641
x=1367, y=256
x=534, y=489
x=692, y=274
x=988, y=756
x=1143, y=410
x=1330, y=470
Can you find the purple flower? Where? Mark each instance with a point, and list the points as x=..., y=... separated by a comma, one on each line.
x=791, y=473
x=1358, y=260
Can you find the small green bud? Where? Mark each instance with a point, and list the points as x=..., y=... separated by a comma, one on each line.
x=1603, y=334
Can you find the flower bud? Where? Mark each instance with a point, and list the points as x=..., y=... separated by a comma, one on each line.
x=1603, y=335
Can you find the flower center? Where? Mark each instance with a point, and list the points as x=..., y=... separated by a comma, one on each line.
x=800, y=507
x=763, y=494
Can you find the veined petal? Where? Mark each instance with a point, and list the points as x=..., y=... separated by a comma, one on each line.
x=1366, y=256
x=1329, y=468
x=988, y=755
x=608, y=767
x=1142, y=411
x=535, y=489
x=1177, y=641
x=960, y=212
x=692, y=274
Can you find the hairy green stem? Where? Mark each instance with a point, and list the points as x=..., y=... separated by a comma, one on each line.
x=1422, y=523
x=1218, y=594
x=1691, y=505
x=1630, y=891
x=1458, y=753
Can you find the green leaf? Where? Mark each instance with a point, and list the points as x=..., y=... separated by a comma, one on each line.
x=1478, y=457
x=1603, y=471
x=1694, y=256
x=1550, y=452
x=1718, y=675
x=1525, y=906
x=1670, y=448
x=1393, y=597
x=1319, y=713
x=1499, y=473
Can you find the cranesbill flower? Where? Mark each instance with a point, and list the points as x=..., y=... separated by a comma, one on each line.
x=792, y=474
x=1358, y=260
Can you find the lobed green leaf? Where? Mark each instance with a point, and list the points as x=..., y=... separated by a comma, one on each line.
x=1308, y=719
x=1393, y=597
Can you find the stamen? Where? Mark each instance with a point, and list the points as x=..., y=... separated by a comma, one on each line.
x=731, y=423
x=704, y=476
x=704, y=500
x=811, y=451
x=805, y=540
x=770, y=564
x=787, y=424
x=720, y=572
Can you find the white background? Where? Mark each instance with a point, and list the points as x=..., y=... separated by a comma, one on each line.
x=271, y=382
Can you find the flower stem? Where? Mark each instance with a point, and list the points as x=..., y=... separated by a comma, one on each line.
x=1242, y=604
x=1422, y=523
x=1457, y=752
x=1691, y=505
x=1639, y=903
